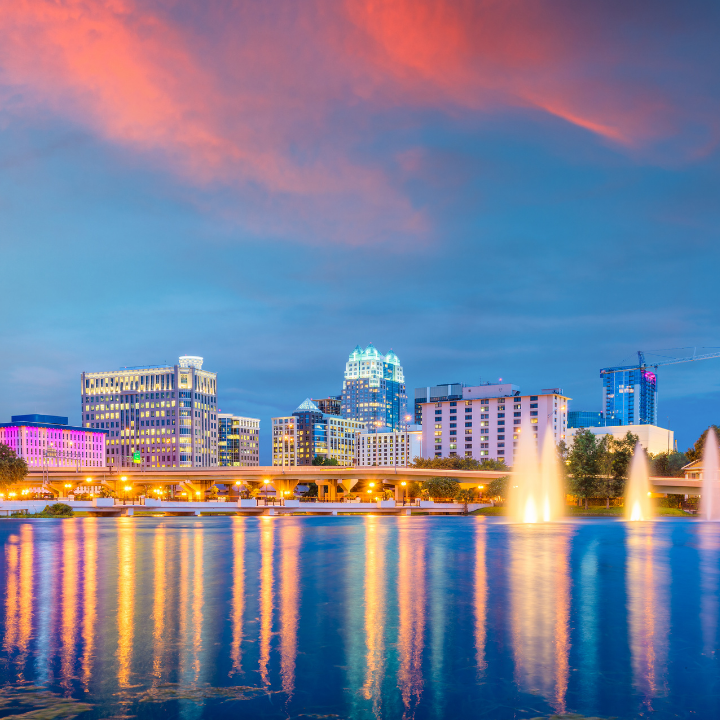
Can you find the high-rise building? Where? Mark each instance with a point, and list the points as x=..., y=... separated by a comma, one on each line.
x=308, y=433
x=438, y=393
x=330, y=405
x=48, y=441
x=156, y=416
x=384, y=447
x=238, y=441
x=487, y=422
x=374, y=389
x=629, y=396
x=585, y=419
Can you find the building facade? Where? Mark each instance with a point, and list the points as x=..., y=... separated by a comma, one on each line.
x=630, y=396
x=330, y=405
x=386, y=448
x=238, y=441
x=374, y=389
x=487, y=422
x=47, y=441
x=156, y=416
x=438, y=393
x=308, y=433
x=654, y=439
x=585, y=419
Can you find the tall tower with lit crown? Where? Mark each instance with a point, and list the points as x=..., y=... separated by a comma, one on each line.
x=374, y=389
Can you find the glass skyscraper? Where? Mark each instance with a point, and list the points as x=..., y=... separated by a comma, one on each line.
x=374, y=389
x=238, y=440
x=629, y=396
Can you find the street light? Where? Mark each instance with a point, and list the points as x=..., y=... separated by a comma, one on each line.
x=403, y=483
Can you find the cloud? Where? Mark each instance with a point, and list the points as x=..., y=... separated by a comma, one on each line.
x=280, y=104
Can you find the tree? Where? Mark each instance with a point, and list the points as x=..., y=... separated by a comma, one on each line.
x=58, y=510
x=498, y=487
x=584, y=465
x=465, y=496
x=12, y=468
x=696, y=451
x=458, y=463
x=442, y=487
x=666, y=464
x=320, y=460
x=413, y=489
x=613, y=462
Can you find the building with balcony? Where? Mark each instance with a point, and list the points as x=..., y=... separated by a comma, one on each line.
x=386, y=447
x=374, y=389
x=487, y=422
x=331, y=405
x=47, y=441
x=159, y=416
x=238, y=441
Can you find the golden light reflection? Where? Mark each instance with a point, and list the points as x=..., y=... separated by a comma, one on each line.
x=26, y=596
x=374, y=614
x=159, y=600
x=69, y=600
x=411, y=611
x=266, y=595
x=12, y=594
x=198, y=598
x=481, y=592
x=90, y=536
x=540, y=610
x=289, y=606
x=648, y=618
x=126, y=598
x=238, y=598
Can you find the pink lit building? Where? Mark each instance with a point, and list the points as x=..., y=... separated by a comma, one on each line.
x=486, y=423
x=48, y=441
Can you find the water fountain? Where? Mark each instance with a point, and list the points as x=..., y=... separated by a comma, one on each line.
x=536, y=493
x=638, y=505
x=711, y=478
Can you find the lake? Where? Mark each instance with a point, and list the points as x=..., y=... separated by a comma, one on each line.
x=359, y=617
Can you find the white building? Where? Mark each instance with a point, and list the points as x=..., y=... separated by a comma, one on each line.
x=388, y=448
x=156, y=416
x=284, y=441
x=487, y=422
x=653, y=438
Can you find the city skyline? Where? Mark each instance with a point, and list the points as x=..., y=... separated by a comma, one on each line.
x=492, y=190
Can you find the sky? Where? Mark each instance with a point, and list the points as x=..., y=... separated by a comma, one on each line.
x=493, y=189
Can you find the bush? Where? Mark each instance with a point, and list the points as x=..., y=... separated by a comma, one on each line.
x=58, y=510
x=442, y=487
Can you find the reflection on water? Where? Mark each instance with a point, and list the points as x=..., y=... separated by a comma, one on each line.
x=371, y=617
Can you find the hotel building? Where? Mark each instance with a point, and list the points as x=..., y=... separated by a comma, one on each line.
x=487, y=422
x=386, y=447
x=374, y=389
x=156, y=416
x=48, y=441
x=238, y=441
x=308, y=433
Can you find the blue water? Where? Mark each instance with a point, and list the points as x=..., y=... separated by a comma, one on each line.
x=359, y=617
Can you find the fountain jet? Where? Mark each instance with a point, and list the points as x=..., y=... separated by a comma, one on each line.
x=638, y=505
x=711, y=478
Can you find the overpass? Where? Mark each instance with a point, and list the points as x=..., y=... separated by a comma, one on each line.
x=195, y=481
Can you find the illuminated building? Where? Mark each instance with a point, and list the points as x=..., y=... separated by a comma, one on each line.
x=629, y=396
x=387, y=447
x=374, y=389
x=487, y=422
x=238, y=440
x=438, y=393
x=308, y=433
x=155, y=416
x=330, y=405
x=48, y=441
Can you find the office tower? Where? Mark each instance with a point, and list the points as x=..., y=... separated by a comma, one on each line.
x=585, y=419
x=238, y=441
x=438, y=393
x=47, y=441
x=487, y=422
x=374, y=389
x=384, y=448
x=629, y=396
x=308, y=433
x=158, y=416
x=330, y=405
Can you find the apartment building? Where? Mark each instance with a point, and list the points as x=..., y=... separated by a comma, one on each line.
x=238, y=441
x=388, y=448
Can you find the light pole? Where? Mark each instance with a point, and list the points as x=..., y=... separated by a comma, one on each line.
x=403, y=483
x=128, y=488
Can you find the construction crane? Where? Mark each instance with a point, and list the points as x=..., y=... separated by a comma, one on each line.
x=641, y=365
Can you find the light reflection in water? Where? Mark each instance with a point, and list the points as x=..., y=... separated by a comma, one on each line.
x=374, y=613
x=709, y=576
x=480, y=591
x=19, y=596
x=411, y=611
x=69, y=599
x=289, y=601
x=266, y=594
x=197, y=605
x=126, y=598
x=540, y=610
x=647, y=603
x=238, y=592
x=12, y=593
x=90, y=533
x=159, y=600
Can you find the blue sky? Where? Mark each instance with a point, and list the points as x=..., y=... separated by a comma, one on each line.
x=439, y=204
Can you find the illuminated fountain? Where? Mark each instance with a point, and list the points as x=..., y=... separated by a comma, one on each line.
x=638, y=505
x=711, y=478
x=536, y=492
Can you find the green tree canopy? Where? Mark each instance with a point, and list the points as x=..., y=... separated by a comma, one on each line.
x=465, y=496
x=584, y=465
x=613, y=462
x=458, y=463
x=696, y=451
x=320, y=460
x=498, y=487
x=12, y=468
x=668, y=464
x=442, y=487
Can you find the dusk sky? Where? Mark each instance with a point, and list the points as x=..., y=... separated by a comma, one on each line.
x=515, y=189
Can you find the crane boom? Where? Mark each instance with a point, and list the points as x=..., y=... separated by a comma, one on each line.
x=672, y=361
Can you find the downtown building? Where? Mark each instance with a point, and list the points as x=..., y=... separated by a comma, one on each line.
x=238, y=441
x=160, y=416
x=374, y=389
x=309, y=433
x=386, y=447
x=629, y=396
x=486, y=423
x=47, y=441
